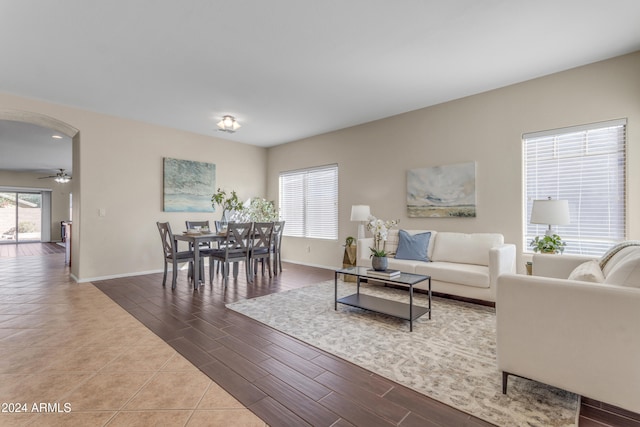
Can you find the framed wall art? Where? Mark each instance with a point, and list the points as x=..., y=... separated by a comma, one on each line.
x=442, y=191
x=188, y=185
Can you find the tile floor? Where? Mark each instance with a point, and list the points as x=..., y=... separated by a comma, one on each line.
x=70, y=345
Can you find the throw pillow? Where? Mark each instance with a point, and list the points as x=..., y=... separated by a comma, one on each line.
x=588, y=272
x=413, y=247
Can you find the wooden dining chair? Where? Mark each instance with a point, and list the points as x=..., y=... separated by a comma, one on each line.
x=235, y=248
x=261, y=248
x=171, y=253
x=205, y=247
x=278, y=228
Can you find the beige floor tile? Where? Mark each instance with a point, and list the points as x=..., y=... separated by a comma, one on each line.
x=225, y=417
x=80, y=419
x=42, y=387
x=107, y=391
x=179, y=364
x=171, y=390
x=217, y=398
x=84, y=359
x=141, y=358
x=16, y=419
x=150, y=418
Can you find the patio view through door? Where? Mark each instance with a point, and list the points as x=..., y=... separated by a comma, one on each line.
x=20, y=217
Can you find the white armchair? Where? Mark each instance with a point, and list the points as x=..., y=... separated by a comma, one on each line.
x=575, y=335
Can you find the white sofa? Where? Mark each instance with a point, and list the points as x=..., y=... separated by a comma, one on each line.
x=464, y=265
x=576, y=335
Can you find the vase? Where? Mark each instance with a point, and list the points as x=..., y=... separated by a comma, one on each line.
x=379, y=263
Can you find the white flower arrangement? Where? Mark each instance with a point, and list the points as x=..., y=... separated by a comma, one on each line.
x=380, y=230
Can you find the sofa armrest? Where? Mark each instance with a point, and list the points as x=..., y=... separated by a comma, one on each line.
x=502, y=260
x=578, y=336
x=557, y=266
x=363, y=251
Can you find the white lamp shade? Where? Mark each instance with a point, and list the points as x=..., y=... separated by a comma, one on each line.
x=551, y=212
x=360, y=212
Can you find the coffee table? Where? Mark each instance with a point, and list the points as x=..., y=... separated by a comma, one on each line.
x=397, y=309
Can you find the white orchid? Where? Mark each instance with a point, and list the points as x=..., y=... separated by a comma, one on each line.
x=380, y=230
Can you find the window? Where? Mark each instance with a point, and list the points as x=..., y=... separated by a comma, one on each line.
x=585, y=165
x=309, y=202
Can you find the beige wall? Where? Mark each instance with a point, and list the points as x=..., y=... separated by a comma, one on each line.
x=59, y=195
x=487, y=128
x=118, y=164
x=118, y=167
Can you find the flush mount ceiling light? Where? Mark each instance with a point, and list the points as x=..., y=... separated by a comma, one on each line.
x=56, y=137
x=228, y=124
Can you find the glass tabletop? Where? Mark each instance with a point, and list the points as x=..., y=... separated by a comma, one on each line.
x=404, y=278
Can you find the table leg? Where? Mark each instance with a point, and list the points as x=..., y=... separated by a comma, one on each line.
x=358, y=285
x=196, y=265
x=429, y=298
x=410, y=308
x=335, y=285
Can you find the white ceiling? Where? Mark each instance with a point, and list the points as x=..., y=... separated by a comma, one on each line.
x=289, y=69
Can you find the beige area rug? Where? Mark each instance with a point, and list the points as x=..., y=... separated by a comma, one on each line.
x=451, y=358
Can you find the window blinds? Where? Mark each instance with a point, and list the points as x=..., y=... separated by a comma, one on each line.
x=309, y=202
x=585, y=165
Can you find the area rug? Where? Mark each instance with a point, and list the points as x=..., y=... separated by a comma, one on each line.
x=450, y=358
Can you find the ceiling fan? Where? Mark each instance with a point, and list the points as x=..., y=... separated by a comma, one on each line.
x=60, y=177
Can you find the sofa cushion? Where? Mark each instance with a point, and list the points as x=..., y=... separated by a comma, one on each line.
x=463, y=274
x=413, y=247
x=626, y=272
x=465, y=248
x=588, y=272
x=391, y=244
x=406, y=265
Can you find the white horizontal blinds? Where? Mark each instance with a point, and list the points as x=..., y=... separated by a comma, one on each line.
x=585, y=165
x=309, y=202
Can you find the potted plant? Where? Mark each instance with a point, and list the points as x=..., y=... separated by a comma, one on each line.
x=261, y=210
x=548, y=244
x=380, y=229
x=229, y=203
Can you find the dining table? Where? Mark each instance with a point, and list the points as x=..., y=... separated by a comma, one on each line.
x=196, y=239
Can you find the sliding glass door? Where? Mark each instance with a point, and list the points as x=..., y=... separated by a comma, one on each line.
x=20, y=217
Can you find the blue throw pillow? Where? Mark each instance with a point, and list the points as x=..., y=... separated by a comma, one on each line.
x=413, y=247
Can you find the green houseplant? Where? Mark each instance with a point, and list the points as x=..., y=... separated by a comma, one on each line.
x=548, y=244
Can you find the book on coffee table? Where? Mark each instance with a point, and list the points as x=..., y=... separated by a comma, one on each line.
x=384, y=274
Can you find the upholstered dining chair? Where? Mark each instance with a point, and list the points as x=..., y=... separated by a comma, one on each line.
x=171, y=253
x=261, y=248
x=278, y=227
x=235, y=248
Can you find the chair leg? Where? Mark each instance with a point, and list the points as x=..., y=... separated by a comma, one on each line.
x=164, y=277
x=175, y=275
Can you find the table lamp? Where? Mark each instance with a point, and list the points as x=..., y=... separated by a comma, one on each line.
x=550, y=212
x=360, y=213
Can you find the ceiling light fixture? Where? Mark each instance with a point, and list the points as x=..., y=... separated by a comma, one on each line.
x=228, y=124
x=56, y=137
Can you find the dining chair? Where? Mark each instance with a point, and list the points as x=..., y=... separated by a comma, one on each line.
x=278, y=227
x=171, y=253
x=261, y=248
x=204, y=246
x=236, y=247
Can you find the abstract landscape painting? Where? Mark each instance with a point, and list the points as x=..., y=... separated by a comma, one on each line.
x=188, y=185
x=442, y=191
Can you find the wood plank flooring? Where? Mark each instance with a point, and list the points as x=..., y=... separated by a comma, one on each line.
x=282, y=380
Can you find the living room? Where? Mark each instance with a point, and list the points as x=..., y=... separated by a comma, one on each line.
x=118, y=164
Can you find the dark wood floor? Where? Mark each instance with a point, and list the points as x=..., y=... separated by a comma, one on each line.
x=282, y=380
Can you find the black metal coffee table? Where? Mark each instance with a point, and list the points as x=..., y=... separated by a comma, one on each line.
x=397, y=309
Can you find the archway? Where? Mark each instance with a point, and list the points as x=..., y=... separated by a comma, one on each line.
x=70, y=131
